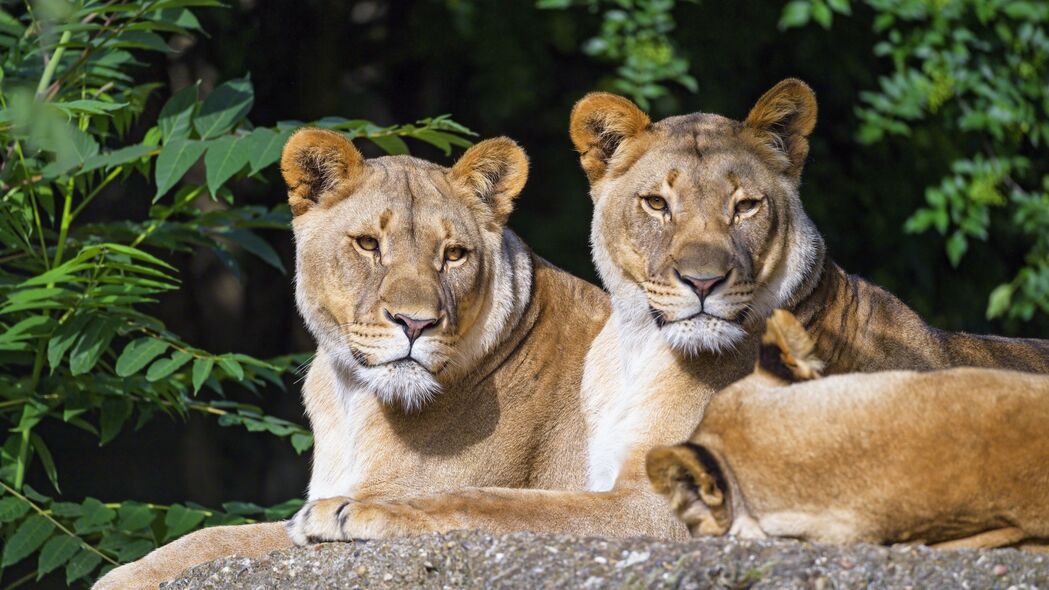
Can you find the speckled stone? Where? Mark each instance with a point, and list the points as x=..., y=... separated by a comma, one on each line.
x=471, y=559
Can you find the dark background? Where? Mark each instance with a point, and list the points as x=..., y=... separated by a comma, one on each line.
x=506, y=68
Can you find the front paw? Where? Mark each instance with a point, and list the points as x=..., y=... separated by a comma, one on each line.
x=320, y=521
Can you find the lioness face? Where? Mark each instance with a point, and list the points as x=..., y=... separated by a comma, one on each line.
x=396, y=257
x=697, y=218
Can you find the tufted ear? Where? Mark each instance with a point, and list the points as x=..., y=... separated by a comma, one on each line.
x=600, y=123
x=494, y=171
x=782, y=119
x=316, y=162
x=689, y=477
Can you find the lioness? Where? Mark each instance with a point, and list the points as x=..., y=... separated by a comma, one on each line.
x=449, y=355
x=958, y=456
x=699, y=232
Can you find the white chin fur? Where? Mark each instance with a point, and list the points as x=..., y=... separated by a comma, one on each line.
x=703, y=334
x=406, y=384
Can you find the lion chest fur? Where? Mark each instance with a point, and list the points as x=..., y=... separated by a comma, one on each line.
x=622, y=367
x=887, y=457
x=515, y=421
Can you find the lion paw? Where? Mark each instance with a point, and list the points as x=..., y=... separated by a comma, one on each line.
x=320, y=521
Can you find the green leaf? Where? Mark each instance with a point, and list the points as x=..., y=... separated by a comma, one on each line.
x=957, y=244
x=134, y=516
x=164, y=367
x=11, y=509
x=284, y=509
x=840, y=6
x=821, y=14
x=56, y=553
x=795, y=14
x=224, y=108
x=264, y=146
x=201, y=370
x=138, y=354
x=45, y=458
x=391, y=144
x=63, y=338
x=225, y=157
x=242, y=508
x=175, y=159
x=176, y=118
x=232, y=368
x=30, y=535
x=91, y=107
x=140, y=40
x=118, y=157
x=83, y=564
x=257, y=246
x=179, y=17
x=115, y=411
x=67, y=510
x=95, y=514
x=180, y=520
x=301, y=442
x=998, y=302
x=92, y=343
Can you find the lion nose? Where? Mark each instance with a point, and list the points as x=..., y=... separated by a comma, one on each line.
x=413, y=327
x=703, y=286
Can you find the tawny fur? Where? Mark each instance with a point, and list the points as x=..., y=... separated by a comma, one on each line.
x=564, y=399
x=955, y=457
x=507, y=430
x=733, y=210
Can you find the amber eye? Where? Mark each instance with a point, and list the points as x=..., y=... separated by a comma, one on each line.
x=368, y=243
x=454, y=253
x=747, y=206
x=655, y=203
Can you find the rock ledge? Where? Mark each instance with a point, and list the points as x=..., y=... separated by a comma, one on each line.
x=471, y=559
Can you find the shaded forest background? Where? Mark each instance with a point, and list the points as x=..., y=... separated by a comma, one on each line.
x=508, y=68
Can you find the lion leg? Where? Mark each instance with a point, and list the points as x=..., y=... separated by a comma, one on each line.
x=164, y=563
x=985, y=540
x=633, y=510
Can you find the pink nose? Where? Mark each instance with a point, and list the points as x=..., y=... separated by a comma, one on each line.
x=703, y=286
x=413, y=327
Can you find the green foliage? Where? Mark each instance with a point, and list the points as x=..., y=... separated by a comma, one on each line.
x=79, y=347
x=979, y=71
x=636, y=35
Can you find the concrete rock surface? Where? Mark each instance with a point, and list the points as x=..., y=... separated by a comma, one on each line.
x=471, y=559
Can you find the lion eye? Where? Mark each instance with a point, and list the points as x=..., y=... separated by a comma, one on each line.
x=368, y=243
x=454, y=253
x=655, y=203
x=746, y=206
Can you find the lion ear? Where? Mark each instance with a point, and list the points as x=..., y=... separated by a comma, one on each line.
x=797, y=351
x=600, y=123
x=317, y=163
x=494, y=171
x=783, y=118
x=682, y=474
